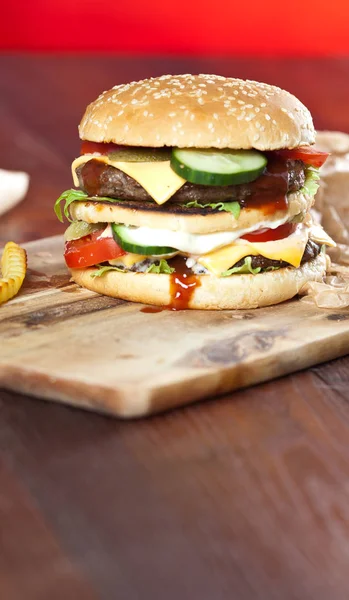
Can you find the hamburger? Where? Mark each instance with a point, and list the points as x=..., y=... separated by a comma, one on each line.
x=194, y=191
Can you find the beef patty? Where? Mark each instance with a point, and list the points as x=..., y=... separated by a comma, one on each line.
x=311, y=251
x=98, y=179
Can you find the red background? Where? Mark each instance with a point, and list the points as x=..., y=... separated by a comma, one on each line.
x=239, y=27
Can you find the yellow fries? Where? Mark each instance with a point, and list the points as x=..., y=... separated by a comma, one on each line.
x=13, y=267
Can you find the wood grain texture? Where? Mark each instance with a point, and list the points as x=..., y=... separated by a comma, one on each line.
x=243, y=497
x=64, y=343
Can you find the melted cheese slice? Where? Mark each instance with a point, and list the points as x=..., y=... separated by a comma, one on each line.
x=289, y=249
x=157, y=177
x=127, y=260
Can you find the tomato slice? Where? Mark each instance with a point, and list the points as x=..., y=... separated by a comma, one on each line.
x=310, y=156
x=101, y=148
x=270, y=235
x=91, y=250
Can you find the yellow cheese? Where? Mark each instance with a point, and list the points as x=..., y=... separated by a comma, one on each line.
x=157, y=177
x=289, y=249
x=128, y=260
x=221, y=260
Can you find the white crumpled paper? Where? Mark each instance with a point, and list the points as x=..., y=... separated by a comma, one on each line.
x=332, y=209
x=13, y=188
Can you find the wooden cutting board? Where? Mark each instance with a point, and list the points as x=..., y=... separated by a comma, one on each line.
x=64, y=343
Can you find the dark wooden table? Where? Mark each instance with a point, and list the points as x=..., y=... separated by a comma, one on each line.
x=245, y=497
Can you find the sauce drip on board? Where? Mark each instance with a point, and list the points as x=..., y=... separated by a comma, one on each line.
x=269, y=191
x=152, y=309
x=182, y=288
x=182, y=285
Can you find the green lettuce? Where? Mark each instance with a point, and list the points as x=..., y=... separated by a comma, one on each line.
x=70, y=196
x=232, y=207
x=243, y=269
x=246, y=268
x=161, y=267
x=102, y=270
x=312, y=181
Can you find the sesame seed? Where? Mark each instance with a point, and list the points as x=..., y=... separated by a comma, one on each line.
x=267, y=117
x=256, y=137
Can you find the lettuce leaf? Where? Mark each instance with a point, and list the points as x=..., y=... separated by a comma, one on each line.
x=103, y=269
x=161, y=267
x=312, y=181
x=246, y=268
x=232, y=207
x=70, y=196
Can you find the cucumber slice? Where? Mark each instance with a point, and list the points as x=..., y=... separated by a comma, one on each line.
x=125, y=237
x=141, y=154
x=218, y=167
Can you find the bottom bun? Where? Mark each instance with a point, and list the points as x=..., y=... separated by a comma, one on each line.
x=213, y=293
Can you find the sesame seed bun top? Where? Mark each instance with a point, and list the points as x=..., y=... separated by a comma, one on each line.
x=200, y=111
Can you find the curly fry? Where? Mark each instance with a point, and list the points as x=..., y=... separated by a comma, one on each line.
x=13, y=267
